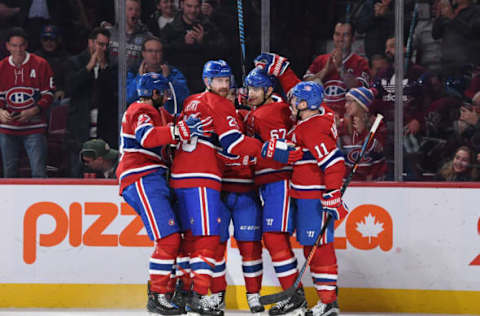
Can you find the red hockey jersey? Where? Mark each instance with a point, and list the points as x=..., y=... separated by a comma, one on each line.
x=196, y=163
x=333, y=83
x=143, y=139
x=24, y=87
x=237, y=170
x=322, y=165
x=271, y=120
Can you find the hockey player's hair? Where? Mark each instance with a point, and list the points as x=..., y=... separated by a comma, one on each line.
x=17, y=32
x=99, y=30
x=150, y=38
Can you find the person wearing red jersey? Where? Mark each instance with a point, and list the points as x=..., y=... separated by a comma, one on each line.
x=241, y=205
x=340, y=70
x=26, y=92
x=142, y=170
x=316, y=179
x=352, y=134
x=271, y=119
x=196, y=176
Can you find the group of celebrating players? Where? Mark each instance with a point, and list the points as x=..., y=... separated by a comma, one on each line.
x=271, y=167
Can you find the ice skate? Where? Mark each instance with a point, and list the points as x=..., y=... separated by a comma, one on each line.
x=292, y=306
x=158, y=304
x=253, y=300
x=218, y=300
x=321, y=309
x=200, y=305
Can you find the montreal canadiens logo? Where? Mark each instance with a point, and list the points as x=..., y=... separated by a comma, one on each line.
x=20, y=97
x=334, y=90
x=352, y=156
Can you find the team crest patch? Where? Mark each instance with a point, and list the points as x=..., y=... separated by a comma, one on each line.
x=171, y=222
x=219, y=220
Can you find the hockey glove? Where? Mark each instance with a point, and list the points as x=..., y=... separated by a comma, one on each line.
x=193, y=126
x=273, y=64
x=333, y=204
x=279, y=150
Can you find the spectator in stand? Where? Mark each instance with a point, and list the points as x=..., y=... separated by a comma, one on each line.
x=428, y=51
x=460, y=168
x=459, y=29
x=93, y=109
x=136, y=34
x=417, y=98
x=97, y=156
x=470, y=115
x=378, y=63
x=190, y=41
x=340, y=70
x=353, y=132
x=152, y=53
x=64, y=14
x=10, y=15
x=376, y=20
x=164, y=14
x=26, y=92
x=51, y=49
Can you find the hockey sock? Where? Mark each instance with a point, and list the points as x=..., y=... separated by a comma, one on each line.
x=219, y=283
x=183, y=260
x=324, y=271
x=202, y=262
x=162, y=261
x=283, y=259
x=252, y=265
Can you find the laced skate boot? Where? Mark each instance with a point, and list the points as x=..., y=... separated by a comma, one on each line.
x=321, y=309
x=292, y=306
x=218, y=300
x=254, y=303
x=200, y=305
x=159, y=304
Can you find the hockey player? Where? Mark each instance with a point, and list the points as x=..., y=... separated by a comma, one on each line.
x=196, y=176
x=271, y=118
x=141, y=171
x=241, y=203
x=316, y=179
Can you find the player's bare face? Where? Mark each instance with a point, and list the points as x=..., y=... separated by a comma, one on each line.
x=191, y=10
x=461, y=161
x=342, y=36
x=220, y=86
x=153, y=53
x=256, y=96
x=133, y=13
x=17, y=46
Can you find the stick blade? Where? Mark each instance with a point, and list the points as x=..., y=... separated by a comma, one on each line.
x=277, y=297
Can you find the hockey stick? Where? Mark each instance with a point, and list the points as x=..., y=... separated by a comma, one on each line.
x=408, y=52
x=273, y=298
x=241, y=31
